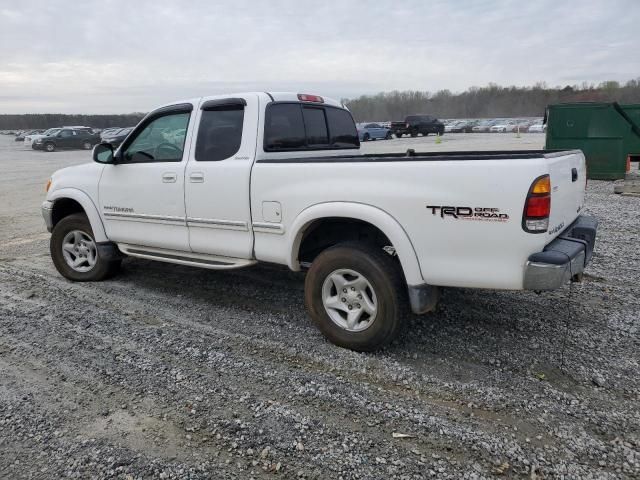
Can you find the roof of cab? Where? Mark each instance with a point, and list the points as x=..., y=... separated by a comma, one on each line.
x=277, y=96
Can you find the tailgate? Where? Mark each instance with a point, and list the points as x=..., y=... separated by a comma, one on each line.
x=568, y=174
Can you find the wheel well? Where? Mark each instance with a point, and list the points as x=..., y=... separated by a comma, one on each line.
x=326, y=232
x=64, y=207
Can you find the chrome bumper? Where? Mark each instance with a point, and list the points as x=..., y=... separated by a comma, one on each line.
x=564, y=259
x=47, y=214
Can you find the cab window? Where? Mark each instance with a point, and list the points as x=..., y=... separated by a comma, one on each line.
x=220, y=133
x=161, y=140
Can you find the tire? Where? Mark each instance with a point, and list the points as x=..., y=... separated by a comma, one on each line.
x=87, y=146
x=384, y=288
x=63, y=234
x=366, y=137
x=49, y=147
x=398, y=135
x=388, y=136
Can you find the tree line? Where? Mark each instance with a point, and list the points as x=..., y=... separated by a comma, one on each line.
x=51, y=120
x=475, y=102
x=487, y=102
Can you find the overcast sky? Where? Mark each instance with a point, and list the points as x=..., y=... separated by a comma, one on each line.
x=112, y=56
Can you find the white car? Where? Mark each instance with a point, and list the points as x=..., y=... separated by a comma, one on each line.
x=29, y=140
x=502, y=127
x=278, y=178
x=537, y=128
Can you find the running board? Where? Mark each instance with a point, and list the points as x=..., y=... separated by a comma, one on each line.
x=201, y=260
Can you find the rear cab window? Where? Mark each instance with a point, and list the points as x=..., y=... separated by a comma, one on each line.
x=295, y=126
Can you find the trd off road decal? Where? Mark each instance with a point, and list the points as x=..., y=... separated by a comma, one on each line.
x=469, y=213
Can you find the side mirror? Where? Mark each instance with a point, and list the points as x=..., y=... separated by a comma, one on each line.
x=103, y=153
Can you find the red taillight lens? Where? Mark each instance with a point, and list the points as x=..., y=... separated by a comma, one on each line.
x=303, y=97
x=537, y=207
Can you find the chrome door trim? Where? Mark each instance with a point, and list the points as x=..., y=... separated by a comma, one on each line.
x=143, y=217
x=217, y=223
x=266, y=227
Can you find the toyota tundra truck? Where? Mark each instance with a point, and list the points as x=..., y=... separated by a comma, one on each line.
x=224, y=182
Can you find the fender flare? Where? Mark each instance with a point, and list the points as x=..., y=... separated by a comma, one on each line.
x=87, y=205
x=363, y=212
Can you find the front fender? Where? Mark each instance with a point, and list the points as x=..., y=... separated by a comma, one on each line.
x=88, y=206
x=366, y=213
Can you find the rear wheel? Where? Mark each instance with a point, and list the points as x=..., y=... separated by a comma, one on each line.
x=74, y=251
x=388, y=136
x=353, y=293
x=87, y=145
x=366, y=137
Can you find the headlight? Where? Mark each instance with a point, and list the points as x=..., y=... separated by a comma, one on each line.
x=39, y=140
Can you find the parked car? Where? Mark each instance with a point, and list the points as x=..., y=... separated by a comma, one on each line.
x=483, y=126
x=277, y=177
x=67, y=138
x=417, y=124
x=22, y=135
x=115, y=137
x=373, y=131
x=538, y=128
x=503, y=126
x=462, y=126
x=29, y=139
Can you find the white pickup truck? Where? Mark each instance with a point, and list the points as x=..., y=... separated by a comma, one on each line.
x=227, y=181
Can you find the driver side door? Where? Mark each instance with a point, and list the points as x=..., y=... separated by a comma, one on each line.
x=141, y=196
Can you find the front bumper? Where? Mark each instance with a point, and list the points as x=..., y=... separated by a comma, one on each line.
x=47, y=214
x=37, y=146
x=564, y=259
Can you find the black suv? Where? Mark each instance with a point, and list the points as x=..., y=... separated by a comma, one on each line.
x=67, y=138
x=415, y=124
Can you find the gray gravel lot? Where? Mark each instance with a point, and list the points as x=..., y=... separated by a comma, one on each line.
x=173, y=372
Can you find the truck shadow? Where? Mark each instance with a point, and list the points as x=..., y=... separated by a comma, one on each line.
x=470, y=333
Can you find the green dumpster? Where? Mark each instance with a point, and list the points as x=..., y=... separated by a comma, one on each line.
x=633, y=112
x=605, y=132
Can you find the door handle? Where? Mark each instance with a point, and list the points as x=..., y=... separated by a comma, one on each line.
x=196, y=177
x=574, y=174
x=169, y=177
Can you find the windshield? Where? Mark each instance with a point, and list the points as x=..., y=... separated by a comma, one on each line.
x=52, y=131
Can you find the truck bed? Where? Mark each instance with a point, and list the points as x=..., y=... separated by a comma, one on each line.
x=413, y=189
x=411, y=156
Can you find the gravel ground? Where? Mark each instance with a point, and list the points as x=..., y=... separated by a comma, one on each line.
x=173, y=372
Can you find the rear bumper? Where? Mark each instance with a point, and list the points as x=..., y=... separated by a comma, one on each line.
x=564, y=259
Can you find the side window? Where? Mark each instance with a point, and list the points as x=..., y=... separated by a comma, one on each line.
x=284, y=128
x=219, y=134
x=343, y=130
x=66, y=133
x=162, y=140
x=315, y=125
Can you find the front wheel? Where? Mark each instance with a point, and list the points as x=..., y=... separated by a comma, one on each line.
x=353, y=293
x=49, y=147
x=74, y=251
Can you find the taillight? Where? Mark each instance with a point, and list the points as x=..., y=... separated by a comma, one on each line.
x=537, y=207
x=303, y=97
